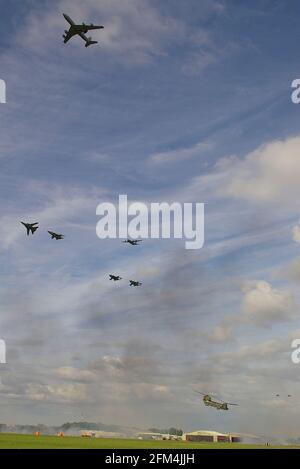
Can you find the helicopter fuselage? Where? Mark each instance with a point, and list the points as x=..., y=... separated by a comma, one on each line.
x=217, y=405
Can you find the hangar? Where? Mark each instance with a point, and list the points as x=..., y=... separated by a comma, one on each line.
x=206, y=436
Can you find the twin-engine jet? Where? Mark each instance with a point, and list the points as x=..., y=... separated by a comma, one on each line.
x=30, y=227
x=135, y=284
x=56, y=236
x=133, y=242
x=79, y=30
x=115, y=278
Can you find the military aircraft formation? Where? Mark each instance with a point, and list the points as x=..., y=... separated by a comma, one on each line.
x=33, y=227
x=133, y=283
x=117, y=278
x=81, y=31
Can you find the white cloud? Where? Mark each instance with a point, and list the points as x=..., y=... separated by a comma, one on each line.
x=253, y=353
x=180, y=155
x=291, y=271
x=75, y=374
x=269, y=174
x=264, y=305
x=296, y=233
x=222, y=333
x=75, y=392
x=146, y=390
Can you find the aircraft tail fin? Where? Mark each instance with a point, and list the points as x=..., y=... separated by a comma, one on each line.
x=89, y=42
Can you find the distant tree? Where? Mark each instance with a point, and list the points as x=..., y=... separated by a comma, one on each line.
x=3, y=428
x=170, y=431
x=175, y=431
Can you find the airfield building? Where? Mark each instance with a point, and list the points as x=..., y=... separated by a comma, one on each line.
x=211, y=437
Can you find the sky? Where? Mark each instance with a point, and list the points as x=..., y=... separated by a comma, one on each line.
x=180, y=101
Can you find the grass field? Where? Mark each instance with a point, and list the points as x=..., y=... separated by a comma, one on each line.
x=12, y=441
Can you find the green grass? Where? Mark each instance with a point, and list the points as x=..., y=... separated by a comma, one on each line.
x=12, y=441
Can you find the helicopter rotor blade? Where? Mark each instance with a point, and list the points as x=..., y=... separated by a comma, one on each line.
x=202, y=393
x=230, y=403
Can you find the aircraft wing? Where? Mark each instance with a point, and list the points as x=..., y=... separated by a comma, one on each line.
x=69, y=20
x=68, y=37
x=83, y=36
x=88, y=40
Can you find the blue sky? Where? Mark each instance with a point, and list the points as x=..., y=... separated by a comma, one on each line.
x=186, y=101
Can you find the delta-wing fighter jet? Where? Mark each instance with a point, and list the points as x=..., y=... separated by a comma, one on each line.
x=115, y=278
x=133, y=242
x=56, y=236
x=79, y=30
x=133, y=283
x=30, y=227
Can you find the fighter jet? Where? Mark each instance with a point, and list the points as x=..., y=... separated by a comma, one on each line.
x=135, y=284
x=80, y=30
x=115, y=278
x=30, y=227
x=56, y=236
x=133, y=242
